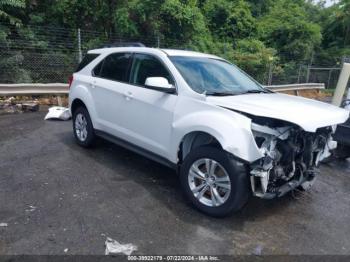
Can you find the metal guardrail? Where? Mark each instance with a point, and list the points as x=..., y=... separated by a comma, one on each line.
x=61, y=89
x=296, y=87
x=33, y=89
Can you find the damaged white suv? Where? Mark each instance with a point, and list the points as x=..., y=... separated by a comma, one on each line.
x=228, y=136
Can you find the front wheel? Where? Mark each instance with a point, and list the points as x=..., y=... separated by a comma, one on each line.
x=214, y=181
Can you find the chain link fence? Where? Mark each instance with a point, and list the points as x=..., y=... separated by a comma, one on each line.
x=39, y=54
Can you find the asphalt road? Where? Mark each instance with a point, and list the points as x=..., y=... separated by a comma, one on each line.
x=55, y=195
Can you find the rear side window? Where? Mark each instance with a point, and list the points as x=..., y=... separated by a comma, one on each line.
x=114, y=67
x=88, y=58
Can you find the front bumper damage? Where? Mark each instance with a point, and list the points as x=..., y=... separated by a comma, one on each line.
x=291, y=158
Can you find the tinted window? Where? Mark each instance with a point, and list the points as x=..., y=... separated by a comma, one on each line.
x=115, y=67
x=97, y=70
x=88, y=58
x=147, y=66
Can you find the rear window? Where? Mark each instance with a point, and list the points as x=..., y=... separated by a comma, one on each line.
x=88, y=58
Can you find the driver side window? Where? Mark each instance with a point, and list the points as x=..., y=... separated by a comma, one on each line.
x=145, y=66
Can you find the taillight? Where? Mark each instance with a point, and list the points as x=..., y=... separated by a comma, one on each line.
x=70, y=81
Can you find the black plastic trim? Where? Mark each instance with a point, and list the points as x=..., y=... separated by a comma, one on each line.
x=136, y=149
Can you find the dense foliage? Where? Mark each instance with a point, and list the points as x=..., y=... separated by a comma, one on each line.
x=253, y=33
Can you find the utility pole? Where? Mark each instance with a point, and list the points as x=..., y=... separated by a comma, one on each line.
x=308, y=74
x=158, y=41
x=329, y=78
x=299, y=73
x=269, y=81
x=270, y=75
x=309, y=67
x=79, y=46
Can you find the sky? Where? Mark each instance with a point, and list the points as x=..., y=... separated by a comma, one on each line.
x=330, y=2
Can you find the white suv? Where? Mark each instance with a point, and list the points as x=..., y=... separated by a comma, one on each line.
x=228, y=136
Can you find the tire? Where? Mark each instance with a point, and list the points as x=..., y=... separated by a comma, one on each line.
x=81, y=115
x=231, y=200
x=342, y=152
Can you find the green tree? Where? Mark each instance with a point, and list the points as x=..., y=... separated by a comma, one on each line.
x=260, y=7
x=254, y=57
x=287, y=29
x=180, y=22
x=337, y=28
x=10, y=61
x=9, y=9
x=230, y=19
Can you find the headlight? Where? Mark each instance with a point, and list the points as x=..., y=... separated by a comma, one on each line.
x=266, y=132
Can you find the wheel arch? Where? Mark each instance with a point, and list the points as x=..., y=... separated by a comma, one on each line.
x=76, y=103
x=80, y=95
x=193, y=140
x=230, y=131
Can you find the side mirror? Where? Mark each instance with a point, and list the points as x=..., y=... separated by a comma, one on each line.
x=160, y=84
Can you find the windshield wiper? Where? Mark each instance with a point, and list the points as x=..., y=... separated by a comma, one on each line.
x=220, y=94
x=255, y=91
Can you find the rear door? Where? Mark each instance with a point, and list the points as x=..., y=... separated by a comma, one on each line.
x=109, y=82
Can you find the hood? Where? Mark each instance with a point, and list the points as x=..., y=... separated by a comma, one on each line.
x=307, y=113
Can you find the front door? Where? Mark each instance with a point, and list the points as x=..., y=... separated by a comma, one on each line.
x=148, y=114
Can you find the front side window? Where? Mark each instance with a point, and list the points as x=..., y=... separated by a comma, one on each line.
x=114, y=67
x=145, y=66
x=214, y=76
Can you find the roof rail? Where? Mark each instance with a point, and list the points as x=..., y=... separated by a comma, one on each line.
x=125, y=44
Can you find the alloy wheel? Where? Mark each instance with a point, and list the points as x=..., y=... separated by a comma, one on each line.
x=81, y=127
x=209, y=182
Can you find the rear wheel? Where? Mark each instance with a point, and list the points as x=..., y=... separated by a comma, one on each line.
x=82, y=127
x=214, y=182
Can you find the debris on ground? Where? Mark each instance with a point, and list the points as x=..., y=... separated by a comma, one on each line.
x=31, y=209
x=3, y=224
x=30, y=107
x=58, y=112
x=113, y=247
x=28, y=103
x=65, y=250
x=258, y=250
x=13, y=105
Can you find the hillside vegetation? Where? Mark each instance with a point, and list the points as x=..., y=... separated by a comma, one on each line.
x=252, y=33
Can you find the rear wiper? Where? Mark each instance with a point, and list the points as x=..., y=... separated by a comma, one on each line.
x=220, y=94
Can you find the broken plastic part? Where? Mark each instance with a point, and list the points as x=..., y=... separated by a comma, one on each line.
x=280, y=132
x=264, y=179
x=291, y=156
x=330, y=145
x=58, y=112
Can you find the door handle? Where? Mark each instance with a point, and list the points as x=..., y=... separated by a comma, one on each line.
x=128, y=95
x=93, y=85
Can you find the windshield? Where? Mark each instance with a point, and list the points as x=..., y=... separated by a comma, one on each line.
x=215, y=77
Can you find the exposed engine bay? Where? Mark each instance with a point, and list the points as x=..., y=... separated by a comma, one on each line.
x=291, y=156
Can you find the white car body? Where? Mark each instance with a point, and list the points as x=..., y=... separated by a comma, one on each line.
x=158, y=122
